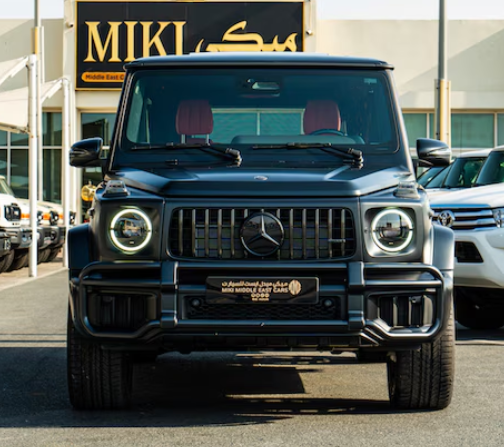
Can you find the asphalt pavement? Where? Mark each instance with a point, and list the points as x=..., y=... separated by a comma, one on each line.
x=231, y=399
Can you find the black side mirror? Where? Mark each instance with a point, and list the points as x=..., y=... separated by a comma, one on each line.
x=86, y=153
x=433, y=153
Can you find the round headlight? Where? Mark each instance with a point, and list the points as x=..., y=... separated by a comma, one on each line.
x=131, y=230
x=392, y=230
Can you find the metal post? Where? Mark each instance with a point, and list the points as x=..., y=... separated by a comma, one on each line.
x=32, y=161
x=37, y=41
x=65, y=163
x=443, y=85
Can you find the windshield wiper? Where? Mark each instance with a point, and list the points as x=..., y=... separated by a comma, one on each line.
x=234, y=154
x=348, y=154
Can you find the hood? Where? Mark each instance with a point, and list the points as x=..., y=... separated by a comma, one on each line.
x=438, y=192
x=228, y=182
x=491, y=196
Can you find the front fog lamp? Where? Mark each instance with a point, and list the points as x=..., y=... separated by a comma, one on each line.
x=130, y=230
x=498, y=215
x=392, y=230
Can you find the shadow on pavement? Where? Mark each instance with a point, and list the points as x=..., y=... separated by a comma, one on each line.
x=175, y=391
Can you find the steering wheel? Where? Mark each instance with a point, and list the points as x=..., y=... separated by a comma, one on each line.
x=327, y=131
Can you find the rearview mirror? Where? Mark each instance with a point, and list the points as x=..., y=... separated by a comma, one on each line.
x=86, y=153
x=433, y=153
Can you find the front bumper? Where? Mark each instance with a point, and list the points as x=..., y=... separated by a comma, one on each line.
x=418, y=298
x=21, y=237
x=487, y=269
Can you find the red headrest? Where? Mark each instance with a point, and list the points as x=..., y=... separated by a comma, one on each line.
x=194, y=117
x=321, y=114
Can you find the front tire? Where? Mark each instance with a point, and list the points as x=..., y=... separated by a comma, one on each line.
x=6, y=261
x=478, y=313
x=97, y=379
x=20, y=259
x=424, y=379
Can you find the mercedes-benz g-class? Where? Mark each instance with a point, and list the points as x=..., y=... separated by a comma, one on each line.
x=260, y=201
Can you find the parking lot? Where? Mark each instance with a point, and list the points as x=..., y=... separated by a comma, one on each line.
x=230, y=399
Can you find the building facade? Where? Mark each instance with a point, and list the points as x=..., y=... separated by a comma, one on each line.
x=74, y=44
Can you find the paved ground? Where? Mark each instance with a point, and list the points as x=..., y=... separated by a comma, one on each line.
x=262, y=399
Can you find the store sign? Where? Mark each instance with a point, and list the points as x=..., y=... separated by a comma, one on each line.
x=112, y=33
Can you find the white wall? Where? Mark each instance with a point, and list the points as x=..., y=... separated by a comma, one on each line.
x=475, y=66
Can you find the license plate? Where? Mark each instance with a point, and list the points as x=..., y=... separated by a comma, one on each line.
x=225, y=290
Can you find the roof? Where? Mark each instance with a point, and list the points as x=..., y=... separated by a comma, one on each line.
x=259, y=58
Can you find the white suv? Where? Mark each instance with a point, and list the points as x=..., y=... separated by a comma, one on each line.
x=477, y=217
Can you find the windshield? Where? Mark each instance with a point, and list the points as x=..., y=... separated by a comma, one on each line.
x=462, y=173
x=428, y=175
x=493, y=169
x=248, y=108
x=5, y=188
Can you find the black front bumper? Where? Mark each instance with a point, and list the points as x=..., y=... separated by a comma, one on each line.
x=378, y=304
x=21, y=237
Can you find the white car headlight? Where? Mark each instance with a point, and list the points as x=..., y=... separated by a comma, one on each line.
x=392, y=230
x=131, y=230
x=498, y=215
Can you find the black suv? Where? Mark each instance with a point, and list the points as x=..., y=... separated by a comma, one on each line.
x=260, y=201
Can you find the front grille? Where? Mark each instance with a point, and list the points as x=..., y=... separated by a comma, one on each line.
x=465, y=218
x=467, y=252
x=263, y=311
x=12, y=213
x=308, y=233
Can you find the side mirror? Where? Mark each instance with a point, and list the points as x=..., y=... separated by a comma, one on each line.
x=433, y=153
x=86, y=153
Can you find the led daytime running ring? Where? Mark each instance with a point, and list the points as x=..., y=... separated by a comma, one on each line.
x=404, y=216
x=120, y=214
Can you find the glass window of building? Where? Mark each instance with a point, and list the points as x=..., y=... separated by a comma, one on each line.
x=472, y=130
x=500, y=129
x=19, y=172
x=51, y=128
x=3, y=162
x=416, y=126
x=52, y=175
x=98, y=125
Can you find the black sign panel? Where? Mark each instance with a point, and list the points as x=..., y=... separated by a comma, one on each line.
x=220, y=290
x=109, y=34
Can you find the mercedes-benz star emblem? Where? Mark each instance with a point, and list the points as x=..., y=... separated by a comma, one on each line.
x=446, y=218
x=262, y=234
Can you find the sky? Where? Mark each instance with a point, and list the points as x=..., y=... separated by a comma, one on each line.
x=329, y=9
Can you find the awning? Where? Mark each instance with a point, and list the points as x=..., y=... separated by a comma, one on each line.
x=14, y=106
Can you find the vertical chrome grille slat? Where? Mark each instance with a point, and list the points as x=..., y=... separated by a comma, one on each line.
x=303, y=224
x=232, y=233
x=291, y=233
x=193, y=229
x=278, y=215
x=309, y=233
x=219, y=233
x=181, y=232
x=343, y=232
x=207, y=232
x=330, y=231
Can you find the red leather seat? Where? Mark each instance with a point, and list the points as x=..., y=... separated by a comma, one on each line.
x=194, y=117
x=321, y=114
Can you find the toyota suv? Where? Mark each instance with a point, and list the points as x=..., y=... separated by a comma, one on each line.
x=260, y=201
x=477, y=217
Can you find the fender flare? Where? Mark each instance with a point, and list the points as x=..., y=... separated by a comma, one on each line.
x=79, y=248
x=443, y=256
